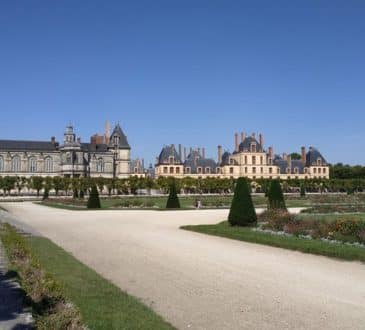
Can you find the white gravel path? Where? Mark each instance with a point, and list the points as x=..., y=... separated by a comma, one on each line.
x=197, y=281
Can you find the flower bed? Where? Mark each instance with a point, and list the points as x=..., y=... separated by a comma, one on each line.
x=346, y=230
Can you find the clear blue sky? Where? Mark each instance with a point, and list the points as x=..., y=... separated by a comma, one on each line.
x=190, y=72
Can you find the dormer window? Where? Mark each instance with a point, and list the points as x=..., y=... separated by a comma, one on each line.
x=288, y=170
x=218, y=170
x=188, y=170
x=319, y=162
x=231, y=161
x=207, y=170
x=171, y=159
x=199, y=170
x=253, y=147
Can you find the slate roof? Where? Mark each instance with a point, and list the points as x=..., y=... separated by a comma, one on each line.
x=312, y=156
x=123, y=142
x=90, y=147
x=167, y=152
x=246, y=144
x=195, y=160
x=283, y=165
x=19, y=145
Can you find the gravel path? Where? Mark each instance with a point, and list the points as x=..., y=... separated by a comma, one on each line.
x=204, y=282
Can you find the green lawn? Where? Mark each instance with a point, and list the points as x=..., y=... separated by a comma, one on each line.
x=102, y=304
x=319, y=247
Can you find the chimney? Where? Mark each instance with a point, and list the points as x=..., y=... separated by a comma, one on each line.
x=184, y=154
x=107, y=132
x=304, y=156
x=191, y=150
x=243, y=136
x=78, y=140
x=203, y=152
x=219, y=154
x=199, y=152
x=180, y=154
x=289, y=160
x=236, y=142
x=254, y=135
x=53, y=140
x=271, y=152
x=285, y=156
x=261, y=140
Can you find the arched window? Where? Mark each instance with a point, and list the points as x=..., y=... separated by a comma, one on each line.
x=32, y=164
x=100, y=165
x=15, y=164
x=48, y=165
x=1, y=164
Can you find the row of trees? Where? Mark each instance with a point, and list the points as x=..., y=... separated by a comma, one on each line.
x=78, y=186
x=341, y=171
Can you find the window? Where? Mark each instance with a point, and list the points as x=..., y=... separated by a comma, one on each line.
x=319, y=162
x=270, y=170
x=207, y=170
x=218, y=170
x=231, y=161
x=231, y=170
x=165, y=170
x=177, y=170
x=246, y=170
x=319, y=171
x=261, y=160
x=245, y=159
x=136, y=170
x=324, y=170
x=188, y=170
x=278, y=171
x=288, y=170
x=305, y=170
x=15, y=164
x=254, y=170
x=199, y=170
x=253, y=147
x=171, y=170
x=1, y=164
x=314, y=170
x=296, y=170
x=32, y=164
x=48, y=165
x=171, y=160
x=100, y=165
x=253, y=160
x=262, y=170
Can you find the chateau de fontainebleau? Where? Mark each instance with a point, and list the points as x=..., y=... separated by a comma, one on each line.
x=109, y=156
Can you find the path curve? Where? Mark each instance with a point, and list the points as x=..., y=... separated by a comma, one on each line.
x=203, y=282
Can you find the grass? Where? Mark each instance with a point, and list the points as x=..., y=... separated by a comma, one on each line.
x=101, y=304
x=340, y=251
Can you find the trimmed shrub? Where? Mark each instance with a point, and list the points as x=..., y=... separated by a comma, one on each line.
x=275, y=196
x=242, y=212
x=173, y=200
x=93, y=201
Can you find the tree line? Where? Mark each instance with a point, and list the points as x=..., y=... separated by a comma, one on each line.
x=132, y=185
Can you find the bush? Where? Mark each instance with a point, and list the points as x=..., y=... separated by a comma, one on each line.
x=275, y=196
x=173, y=200
x=242, y=212
x=302, y=190
x=93, y=201
x=276, y=219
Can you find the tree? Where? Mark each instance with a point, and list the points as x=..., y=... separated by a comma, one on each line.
x=295, y=156
x=57, y=184
x=302, y=190
x=37, y=183
x=275, y=195
x=242, y=212
x=173, y=200
x=94, y=201
x=45, y=193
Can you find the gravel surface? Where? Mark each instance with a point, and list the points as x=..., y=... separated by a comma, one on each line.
x=197, y=281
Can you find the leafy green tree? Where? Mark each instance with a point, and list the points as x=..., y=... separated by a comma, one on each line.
x=94, y=201
x=57, y=184
x=173, y=200
x=242, y=212
x=45, y=193
x=9, y=184
x=275, y=196
x=37, y=183
x=295, y=156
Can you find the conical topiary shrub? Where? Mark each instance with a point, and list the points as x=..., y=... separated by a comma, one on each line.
x=93, y=201
x=173, y=200
x=276, y=197
x=242, y=212
x=302, y=190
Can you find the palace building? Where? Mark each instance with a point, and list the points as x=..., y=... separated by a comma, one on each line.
x=249, y=159
x=105, y=155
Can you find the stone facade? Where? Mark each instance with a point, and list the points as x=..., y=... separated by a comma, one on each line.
x=249, y=159
x=105, y=156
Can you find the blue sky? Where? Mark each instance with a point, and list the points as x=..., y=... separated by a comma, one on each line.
x=190, y=72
